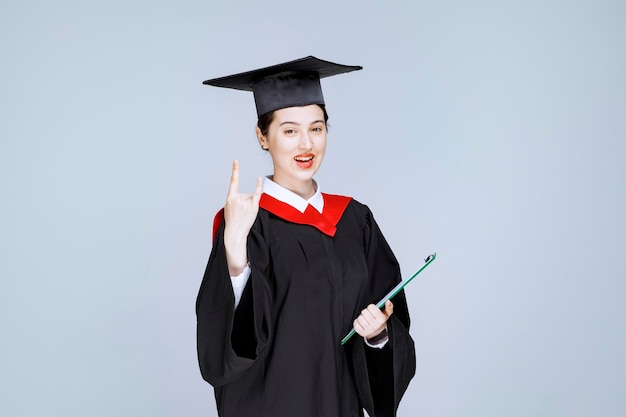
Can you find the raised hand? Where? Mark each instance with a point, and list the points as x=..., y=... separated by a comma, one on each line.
x=372, y=321
x=240, y=213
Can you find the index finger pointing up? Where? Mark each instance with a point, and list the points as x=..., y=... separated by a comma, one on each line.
x=234, y=179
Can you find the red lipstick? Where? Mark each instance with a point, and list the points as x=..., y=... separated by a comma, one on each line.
x=305, y=160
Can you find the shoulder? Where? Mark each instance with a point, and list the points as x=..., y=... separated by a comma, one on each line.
x=350, y=203
x=355, y=213
x=217, y=222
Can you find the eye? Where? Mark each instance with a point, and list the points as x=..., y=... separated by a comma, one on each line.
x=289, y=132
x=317, y=129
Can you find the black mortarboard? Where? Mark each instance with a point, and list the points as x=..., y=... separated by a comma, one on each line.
x=294, y=83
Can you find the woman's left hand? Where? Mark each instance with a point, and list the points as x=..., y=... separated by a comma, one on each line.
x=372, y=321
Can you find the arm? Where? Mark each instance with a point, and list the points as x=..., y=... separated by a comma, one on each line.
x=227, y=339
x=384, y=374
x=240, y=212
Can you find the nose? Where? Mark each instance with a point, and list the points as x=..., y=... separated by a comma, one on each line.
x=306, y=142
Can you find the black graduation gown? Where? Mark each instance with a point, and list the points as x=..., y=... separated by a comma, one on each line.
x=279, y=353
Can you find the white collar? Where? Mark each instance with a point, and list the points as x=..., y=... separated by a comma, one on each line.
x=294, y=200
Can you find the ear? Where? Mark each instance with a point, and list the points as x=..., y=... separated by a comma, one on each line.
x=262, y=139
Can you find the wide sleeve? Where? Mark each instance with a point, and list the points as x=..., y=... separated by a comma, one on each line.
x=229, y=340
x=383, y=375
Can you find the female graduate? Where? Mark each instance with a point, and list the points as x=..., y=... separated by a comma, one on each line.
x=292, y=269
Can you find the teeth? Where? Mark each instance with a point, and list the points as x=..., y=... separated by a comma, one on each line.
x=301, y=159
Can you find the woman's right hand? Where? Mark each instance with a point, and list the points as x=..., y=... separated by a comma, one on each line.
x=240, y=213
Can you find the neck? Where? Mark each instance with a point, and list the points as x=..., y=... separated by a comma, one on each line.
x=305, y=189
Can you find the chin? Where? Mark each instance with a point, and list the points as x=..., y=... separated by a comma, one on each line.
x=308, y=174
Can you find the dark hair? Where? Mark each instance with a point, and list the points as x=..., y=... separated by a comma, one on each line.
x=265, y=120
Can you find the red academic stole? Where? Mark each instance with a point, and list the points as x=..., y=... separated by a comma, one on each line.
x=326, y=222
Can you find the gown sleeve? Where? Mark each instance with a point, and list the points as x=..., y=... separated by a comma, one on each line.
x=230, y=339
x=383, y=375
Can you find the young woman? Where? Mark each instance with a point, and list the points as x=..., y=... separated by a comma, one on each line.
x=292, y=269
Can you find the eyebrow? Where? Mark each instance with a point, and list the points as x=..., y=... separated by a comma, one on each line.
x=298, y=124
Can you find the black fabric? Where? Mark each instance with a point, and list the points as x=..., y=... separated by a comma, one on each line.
x=288, y=90
x=245, y=80
x=279, y=353
x=289, y=84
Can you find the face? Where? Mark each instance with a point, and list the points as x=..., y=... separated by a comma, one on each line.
x=296, y=139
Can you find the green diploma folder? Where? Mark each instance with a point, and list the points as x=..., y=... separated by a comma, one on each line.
x=394, y=291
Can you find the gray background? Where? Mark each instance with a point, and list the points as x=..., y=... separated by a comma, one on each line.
x=490, y=132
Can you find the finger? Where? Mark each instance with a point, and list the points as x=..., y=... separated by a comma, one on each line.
x=388, y=308
x=365, y=313
x=360, y=326
x=369, y=324
x=357, y=327
x=258, y=192
x=234, y=179
x=373, y=312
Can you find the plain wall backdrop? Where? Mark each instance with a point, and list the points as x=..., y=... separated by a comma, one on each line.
x=490, y=132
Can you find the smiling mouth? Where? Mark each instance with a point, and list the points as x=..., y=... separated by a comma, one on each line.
x=304, y=161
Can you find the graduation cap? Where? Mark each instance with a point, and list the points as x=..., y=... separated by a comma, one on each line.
x=290, y=84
